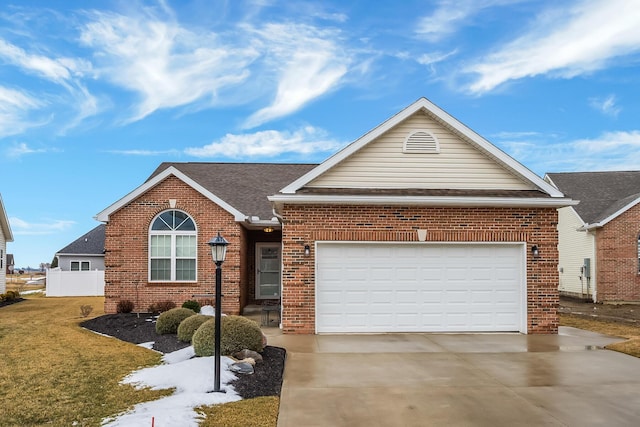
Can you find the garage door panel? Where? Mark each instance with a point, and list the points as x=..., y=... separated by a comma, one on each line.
x=419, y=287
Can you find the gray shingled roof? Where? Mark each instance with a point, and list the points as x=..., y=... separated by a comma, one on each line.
x=245, y=186
x=601, y=194
x=92, y=243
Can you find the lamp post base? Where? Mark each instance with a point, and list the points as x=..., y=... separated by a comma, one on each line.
x=219, y=391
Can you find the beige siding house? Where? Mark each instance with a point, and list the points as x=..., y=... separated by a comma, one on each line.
x=574, y=247
x=5, y=236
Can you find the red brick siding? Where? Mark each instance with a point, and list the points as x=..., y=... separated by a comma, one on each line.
x=127, y=242
x=306, y=224
x=617, y=258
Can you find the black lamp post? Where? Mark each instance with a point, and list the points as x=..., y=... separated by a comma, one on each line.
x=218, y=252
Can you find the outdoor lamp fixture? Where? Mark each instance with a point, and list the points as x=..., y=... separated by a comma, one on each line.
x=268, y=229
x=218, y=253
x=307, y=250
x=535, y=251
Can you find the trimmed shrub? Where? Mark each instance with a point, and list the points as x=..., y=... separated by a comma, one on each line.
x=12, y=295
x=190, y=325
x=192, y=304
x=124, y=306
x=169, y=321
x=238, y=333
x=162, y=306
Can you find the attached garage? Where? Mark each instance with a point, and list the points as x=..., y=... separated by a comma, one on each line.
x=420, y=287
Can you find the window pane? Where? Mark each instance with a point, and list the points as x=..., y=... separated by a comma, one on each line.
x=185, y=269
x=75, y=266
x=160, y=269
x=160, y=246
x=85, y=266
x=186, y=246
x=164, y=221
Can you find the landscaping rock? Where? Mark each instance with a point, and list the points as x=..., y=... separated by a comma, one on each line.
x=243, y=354
x=241, y=368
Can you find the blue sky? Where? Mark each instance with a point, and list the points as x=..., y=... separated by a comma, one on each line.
x=94, y=95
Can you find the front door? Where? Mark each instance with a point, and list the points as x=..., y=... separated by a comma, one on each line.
x=268, y=270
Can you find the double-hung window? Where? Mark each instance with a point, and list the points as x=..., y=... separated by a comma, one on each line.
x=80, y=266
x=172, y=248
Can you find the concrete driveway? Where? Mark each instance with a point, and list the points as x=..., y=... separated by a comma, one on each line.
x=457, y=379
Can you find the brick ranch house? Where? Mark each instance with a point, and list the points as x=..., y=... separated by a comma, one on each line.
x=419, y=225
x=599, y=239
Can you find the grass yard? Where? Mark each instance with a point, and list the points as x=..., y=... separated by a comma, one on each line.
x=629, y=331
x=52, y=372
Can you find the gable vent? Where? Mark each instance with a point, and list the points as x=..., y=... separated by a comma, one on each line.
x=421, y=141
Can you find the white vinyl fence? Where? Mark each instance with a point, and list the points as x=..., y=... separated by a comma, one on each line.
x=74, y=283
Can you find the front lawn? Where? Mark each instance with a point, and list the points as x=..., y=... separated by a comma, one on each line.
x=631, y=332
x=54, y=372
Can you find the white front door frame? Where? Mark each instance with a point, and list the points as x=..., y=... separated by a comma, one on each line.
x=274, y=267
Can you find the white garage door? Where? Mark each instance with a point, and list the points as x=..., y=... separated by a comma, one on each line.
x=378, y=287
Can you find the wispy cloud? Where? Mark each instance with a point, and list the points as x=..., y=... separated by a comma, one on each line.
x=615, y=150
x=64, y=71
x=21, y=149
x=308, y=63
x=269, y=143
x=15, y=109
x=607, y=105
x=451, y=15
x=166, y=64
x=564, y=43
x=22, y=228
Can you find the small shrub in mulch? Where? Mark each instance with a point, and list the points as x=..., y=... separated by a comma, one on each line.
x=190, y=325
x=169, y=321
x=238, y=333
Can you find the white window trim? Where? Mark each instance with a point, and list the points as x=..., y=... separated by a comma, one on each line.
x=80, y=262
x=173, y=234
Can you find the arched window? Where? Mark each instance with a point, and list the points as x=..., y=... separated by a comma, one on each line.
x=172, y=248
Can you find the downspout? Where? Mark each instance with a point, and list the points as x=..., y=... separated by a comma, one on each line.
x=281, y=219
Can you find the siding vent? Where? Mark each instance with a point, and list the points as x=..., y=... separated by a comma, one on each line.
x=421, y=141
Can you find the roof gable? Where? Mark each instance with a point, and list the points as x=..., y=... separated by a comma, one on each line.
x=603, y=195
x=4, y=223
x=446, y=124
x=239, y=188
x=445, y=161
x=91, y=243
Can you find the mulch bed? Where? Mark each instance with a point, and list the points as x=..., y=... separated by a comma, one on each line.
x=11, y=301
x=141, y=328
x=620, y=313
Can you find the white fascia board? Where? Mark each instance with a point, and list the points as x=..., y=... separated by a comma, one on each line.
x=4, y=223
x=446, y=118
x=423, y=201
x=171, y=170
x=612, y=216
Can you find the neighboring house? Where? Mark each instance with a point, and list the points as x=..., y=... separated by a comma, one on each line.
x=80, y=270
x=5, y=236
x=85, y=253
x=419, y=225
x=599, y=239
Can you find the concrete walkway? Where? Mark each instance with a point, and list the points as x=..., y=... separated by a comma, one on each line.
x=457, y=379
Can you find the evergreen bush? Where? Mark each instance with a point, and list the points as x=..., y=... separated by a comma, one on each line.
x=238, y=333
x=190, y=325
x=169, y=321
x=192, y=304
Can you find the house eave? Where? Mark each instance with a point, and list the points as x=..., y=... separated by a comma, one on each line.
x=550, y=202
